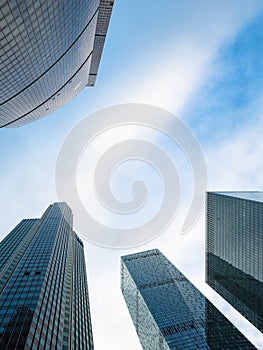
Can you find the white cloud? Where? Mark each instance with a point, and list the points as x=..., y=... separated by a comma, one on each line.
x=236, y=163
x=171, y=61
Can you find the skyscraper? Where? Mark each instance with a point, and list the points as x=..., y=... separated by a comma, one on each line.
x=50, y=50
x=43, y=286
x=168, y=312
x=234, y=250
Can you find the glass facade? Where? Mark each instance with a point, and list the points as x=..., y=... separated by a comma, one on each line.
x=168, y=312
x=43, y=289
x=50, y=50
x=234, y=250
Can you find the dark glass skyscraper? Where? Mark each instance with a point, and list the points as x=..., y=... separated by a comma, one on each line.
x=234, y=250
x=43, y=286
x=50, y=50
x=168, y=312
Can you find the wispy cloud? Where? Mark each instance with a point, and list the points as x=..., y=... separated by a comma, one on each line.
x=172, y=55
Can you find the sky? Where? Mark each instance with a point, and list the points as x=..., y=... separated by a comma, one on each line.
x=200, y=61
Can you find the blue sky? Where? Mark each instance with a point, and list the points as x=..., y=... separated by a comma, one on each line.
x=200, y=60
x=233, y=96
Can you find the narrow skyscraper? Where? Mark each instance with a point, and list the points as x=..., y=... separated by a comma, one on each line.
x=168, y=312
x=234, y=251
x=43, y=287
x=50, y=50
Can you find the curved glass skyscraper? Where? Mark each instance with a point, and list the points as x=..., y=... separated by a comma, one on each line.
x=50, y=50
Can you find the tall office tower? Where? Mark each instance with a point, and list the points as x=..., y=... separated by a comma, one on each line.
x=43, y=286
x=168, y=312
x=50, y=50
x=234, y=250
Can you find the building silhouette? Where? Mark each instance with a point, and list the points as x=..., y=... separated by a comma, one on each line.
x=43, y=286
x=50, y=50
x=169, y=312
x=234, y=250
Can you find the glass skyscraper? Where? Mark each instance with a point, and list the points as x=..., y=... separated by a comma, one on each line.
x=50, y=50
x=168, y=312
x=43, y=287
x=234, y=250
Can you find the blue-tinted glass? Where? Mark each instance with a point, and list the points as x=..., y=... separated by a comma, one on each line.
x=49, y=246
x=234, y=250
x=50, y=50
x=168, y=312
